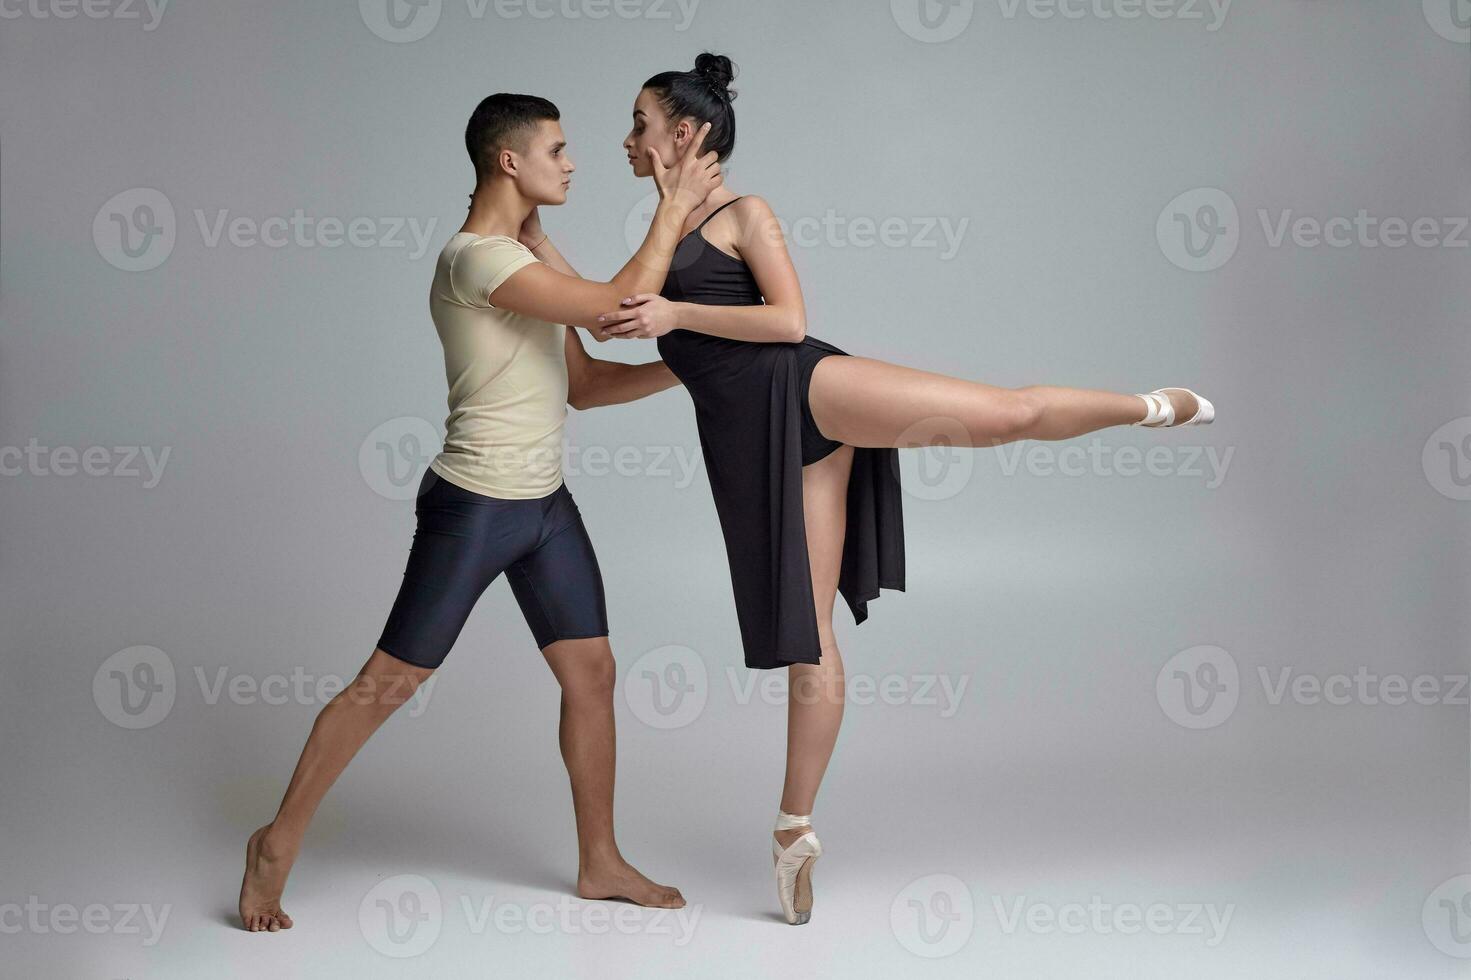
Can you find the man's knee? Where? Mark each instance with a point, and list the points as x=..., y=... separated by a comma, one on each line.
x=585, y=668
x=385, y=682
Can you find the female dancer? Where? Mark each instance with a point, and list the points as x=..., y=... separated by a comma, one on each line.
x=800, y=444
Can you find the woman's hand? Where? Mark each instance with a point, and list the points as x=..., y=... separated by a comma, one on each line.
x=531, y=233
x=691, y=178
x=642, y=317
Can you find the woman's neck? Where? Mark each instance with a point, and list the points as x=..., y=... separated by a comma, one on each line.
x=719, y=197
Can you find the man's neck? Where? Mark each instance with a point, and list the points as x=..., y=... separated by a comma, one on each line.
x=496, y=209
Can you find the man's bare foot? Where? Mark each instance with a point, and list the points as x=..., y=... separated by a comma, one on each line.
x=266, y=868
x=619, y=879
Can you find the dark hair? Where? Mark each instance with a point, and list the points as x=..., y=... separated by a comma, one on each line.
x=500, y=122
x=704, y=94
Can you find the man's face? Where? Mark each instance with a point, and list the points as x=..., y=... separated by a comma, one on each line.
x=543, y=167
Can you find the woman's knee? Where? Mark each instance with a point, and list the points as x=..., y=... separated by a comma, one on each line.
x=1014, y=415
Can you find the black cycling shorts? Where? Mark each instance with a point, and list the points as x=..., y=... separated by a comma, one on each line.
x=464, y=540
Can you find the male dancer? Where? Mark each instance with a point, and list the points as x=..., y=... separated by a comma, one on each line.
x=504, y=301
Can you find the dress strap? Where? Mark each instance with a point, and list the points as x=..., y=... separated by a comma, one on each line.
x=717, y=211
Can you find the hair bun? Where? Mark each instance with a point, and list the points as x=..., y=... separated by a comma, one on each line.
x=717, y=70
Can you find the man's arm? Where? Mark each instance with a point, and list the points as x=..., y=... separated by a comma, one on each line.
x=592, y=383
x=544, y=293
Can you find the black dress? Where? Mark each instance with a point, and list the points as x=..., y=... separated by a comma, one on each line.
x=756, y=434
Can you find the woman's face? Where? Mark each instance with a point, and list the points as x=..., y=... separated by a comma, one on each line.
x=652, y=128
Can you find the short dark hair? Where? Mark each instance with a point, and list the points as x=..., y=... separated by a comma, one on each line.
x=501, y=122
x=704, y=94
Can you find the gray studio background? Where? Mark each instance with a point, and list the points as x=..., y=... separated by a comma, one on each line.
x=1009, y=830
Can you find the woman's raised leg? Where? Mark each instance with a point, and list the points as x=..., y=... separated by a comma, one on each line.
x=865, y=402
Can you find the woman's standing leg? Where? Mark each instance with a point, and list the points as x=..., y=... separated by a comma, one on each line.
x=815, y=691
x=865, y=402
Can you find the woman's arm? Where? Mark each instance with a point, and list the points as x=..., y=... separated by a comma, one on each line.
x=544, y=293
x=781, y=319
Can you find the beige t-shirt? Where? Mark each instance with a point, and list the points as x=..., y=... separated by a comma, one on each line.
x=507, y=375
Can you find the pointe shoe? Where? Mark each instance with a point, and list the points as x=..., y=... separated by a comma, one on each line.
x=1162, y=412
x=794, y=868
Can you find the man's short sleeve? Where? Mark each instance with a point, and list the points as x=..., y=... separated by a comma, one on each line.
x=480, y=268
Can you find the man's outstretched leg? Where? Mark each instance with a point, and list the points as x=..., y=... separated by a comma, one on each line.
x=586, y=671
x=341, y=728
